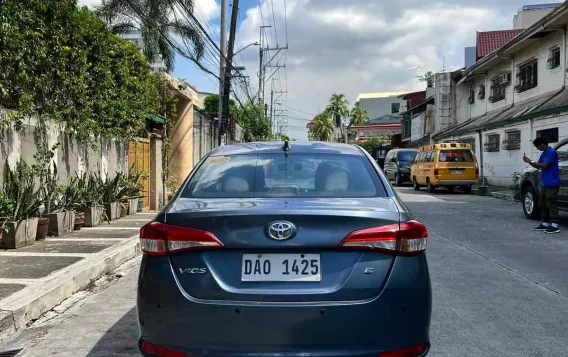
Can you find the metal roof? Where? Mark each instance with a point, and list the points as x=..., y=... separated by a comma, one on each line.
x=541, y=6
x=379, y=95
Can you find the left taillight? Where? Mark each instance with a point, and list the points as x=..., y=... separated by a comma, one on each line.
x=406, y=238
x=157, y=351
x=160, y=239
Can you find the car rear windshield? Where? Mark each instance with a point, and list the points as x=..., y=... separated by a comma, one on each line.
x=456, y=156
x=406, y=156
x=275, y=175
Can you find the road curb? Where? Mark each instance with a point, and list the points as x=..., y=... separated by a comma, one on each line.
x=504, y=195
x=28, y=304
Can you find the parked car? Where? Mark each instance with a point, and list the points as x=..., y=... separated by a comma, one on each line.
x=448, y=165
x=397, y=165
x=241, y=264
x=530, y=184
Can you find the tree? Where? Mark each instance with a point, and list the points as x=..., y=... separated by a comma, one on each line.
x=158, y=21
x=338, y=106
x=65, y=65
x=211, y=106
x=323, y=127
x=256, y=126
x=369, y=144
x=358, y=116
x=427, y=77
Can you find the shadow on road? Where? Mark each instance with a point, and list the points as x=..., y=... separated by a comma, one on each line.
x=120, y=340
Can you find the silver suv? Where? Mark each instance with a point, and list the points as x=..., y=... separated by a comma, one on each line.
x=530, y=184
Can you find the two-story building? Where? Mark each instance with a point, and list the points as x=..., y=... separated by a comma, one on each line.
x=511, y=96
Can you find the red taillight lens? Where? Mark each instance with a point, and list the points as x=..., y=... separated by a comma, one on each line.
x=157, y=351
x=158, y=239
x=408, y=238
x=413, y=351
x=436, y=172
x=476, y=172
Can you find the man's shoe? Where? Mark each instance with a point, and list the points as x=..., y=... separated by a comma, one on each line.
x=551, y=230
x=541, y=228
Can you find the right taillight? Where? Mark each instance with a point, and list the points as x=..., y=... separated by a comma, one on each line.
x=406, y=238
x=160, y=239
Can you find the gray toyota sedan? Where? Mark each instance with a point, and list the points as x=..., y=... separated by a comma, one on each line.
x=284, y=249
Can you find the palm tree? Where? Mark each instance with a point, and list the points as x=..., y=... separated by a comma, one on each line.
x=358, y=116
x=157, y=21
x=323, y=127
x=338, y=105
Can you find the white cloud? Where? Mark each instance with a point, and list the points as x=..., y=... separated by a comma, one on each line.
x=353, y=46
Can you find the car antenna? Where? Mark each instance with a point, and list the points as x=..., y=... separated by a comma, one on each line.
x=286, y=148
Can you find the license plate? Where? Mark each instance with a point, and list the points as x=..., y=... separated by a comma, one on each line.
x=281, y=267
x=457, y=172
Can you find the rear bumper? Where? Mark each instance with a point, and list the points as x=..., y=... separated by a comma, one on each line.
x=457, y=182
x=398, y=318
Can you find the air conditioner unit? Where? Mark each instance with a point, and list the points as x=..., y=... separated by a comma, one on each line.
x=506, y=78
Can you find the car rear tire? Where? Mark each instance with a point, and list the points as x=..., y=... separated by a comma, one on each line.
x=530, y=202
x=431, y=188
x=415, y=184
x=467, y=189
x=397, y=181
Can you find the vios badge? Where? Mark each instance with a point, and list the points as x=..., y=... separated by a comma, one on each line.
x=192, y=270
x=280, y=230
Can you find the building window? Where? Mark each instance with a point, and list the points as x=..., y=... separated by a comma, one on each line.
x=407, y=129
x=550, y=134
x=395, y=108
x=527, y=76
x=512, y=140
x=471, y=98
x=497, y=89
x=492, y=143
x=553, y=58
x=481, y=93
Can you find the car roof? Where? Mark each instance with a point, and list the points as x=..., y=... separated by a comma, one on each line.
x=272, y=147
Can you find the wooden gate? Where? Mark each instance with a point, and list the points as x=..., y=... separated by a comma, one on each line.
x=139, y=160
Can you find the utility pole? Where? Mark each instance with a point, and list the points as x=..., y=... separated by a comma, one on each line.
x=261, y=67
x=272, y=110
x=222, y=63
x=229, y=68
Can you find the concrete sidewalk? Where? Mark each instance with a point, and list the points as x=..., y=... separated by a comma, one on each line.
x=36, y=278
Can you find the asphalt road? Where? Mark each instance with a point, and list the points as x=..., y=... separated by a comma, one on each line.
x=499, y=289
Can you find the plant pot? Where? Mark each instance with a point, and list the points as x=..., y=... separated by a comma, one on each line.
x=124, y=209
x=18, y=234
x=112, y=210
x=79, y=221
x=140, y=204
x=42, y=228
x=94, y=216
x=132, y=206
x=60, y=223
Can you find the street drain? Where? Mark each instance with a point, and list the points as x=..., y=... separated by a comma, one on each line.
x=11, y=353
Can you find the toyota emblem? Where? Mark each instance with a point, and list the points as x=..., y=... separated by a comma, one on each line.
x=281, y=230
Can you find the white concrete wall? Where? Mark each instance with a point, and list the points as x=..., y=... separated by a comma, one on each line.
x=500, y=165
x=70, y=157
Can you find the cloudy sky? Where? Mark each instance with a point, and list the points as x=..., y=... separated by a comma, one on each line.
x=348, y=46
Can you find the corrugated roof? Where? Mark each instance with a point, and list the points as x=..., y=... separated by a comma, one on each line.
x=519, y=111
x=489, y=41
x=379, y=95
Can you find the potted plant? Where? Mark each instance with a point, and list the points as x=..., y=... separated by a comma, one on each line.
x=89, y=199
x=65, y=201
x=113, y=192
x=171, y=186
x=21, y=207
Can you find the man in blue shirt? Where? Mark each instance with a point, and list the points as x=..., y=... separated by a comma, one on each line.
x=549, y=185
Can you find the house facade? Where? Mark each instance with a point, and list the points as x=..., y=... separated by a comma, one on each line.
x=511, y=96
x=380, y=104
x=384, y=126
